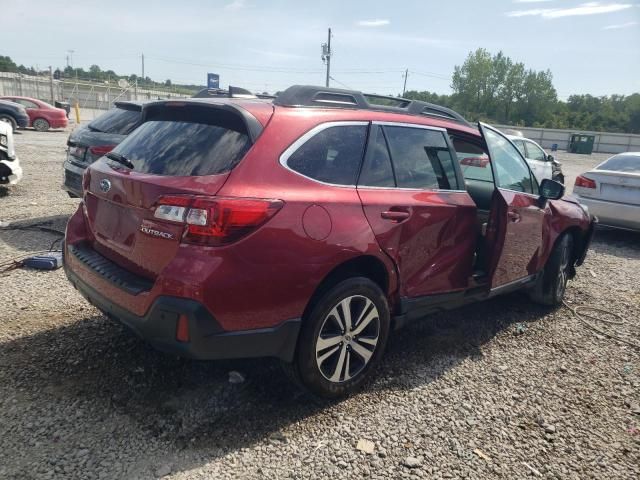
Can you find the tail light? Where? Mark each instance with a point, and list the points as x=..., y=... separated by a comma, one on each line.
x=101, y=150
x=216, y=220
x=585, y=182
x=182, y=329
x=480, y=162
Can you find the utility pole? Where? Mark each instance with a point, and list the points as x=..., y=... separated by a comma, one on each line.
x=143, y=67
x=404, y=88
x=326, y=57
x=51, y=84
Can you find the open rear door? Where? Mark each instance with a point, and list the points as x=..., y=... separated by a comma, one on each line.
x=515, y=228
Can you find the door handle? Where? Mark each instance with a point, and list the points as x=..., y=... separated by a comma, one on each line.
x=394, y=215
x=513, y=216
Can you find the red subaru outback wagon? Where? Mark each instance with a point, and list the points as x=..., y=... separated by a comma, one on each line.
x=311, y=226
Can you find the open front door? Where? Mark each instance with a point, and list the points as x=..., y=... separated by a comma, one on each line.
x=515, y=228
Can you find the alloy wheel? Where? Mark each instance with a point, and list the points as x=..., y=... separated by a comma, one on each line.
x=347, y=338
x=41, y=125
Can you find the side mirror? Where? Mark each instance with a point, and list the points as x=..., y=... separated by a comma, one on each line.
x=550, y=158
x=551, y=190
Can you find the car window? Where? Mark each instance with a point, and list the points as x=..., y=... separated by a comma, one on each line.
x=180, y=148
x=621, y=163
x=333, y=155
x=421, y=158
x=377, y=170
x=120, y=121
x=26, y=103
x=511, y=171
x=520, y=146
x=534, y=152
x=473, y=160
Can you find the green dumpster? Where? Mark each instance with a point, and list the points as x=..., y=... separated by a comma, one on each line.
x=581, y=143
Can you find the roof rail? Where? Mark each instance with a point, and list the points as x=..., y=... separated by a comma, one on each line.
x=310, y=96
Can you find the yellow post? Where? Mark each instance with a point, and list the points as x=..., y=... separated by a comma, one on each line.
x=77, y=109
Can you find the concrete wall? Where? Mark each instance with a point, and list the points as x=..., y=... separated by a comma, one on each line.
x=87, y=94
x=604, y=142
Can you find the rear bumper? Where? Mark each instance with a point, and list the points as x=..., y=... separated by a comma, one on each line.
x=72, y=182
x=207, y=339
x=612, y=214
x=23, y=122
x=59, y=122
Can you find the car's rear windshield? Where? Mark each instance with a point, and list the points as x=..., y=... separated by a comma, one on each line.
x=178, y=147
x=117, y=120
x=621, y=163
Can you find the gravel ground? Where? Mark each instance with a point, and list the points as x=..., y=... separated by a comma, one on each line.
x=501, y=389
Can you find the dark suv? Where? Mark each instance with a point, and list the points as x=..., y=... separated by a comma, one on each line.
x=309, y=227
x=88, y=143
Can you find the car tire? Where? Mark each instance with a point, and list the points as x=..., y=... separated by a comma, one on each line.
x=41, y=125
x=332, y=359
x=10, y=120
x=552, y=283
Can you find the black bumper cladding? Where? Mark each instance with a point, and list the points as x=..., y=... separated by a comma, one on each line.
x=587, y=241
x=208, y=341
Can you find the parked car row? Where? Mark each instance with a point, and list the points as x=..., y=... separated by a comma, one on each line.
x=42, y=116
x=307, y=227
x=24, y=112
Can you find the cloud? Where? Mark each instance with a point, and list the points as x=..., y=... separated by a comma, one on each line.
x=619, y=26
x=591, y=8
x=373, y=23
x=235, y=5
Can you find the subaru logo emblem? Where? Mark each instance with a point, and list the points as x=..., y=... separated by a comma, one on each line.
x=105, y=185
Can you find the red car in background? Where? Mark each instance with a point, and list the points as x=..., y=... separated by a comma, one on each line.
x=42, y=116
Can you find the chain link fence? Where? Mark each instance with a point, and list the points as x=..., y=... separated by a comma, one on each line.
x=88, y=94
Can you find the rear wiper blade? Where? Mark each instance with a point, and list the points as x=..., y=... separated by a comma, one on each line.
x=94, y=129
x=120, y=159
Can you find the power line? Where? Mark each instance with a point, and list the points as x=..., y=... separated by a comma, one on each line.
x=250, y=68
x=340, y=83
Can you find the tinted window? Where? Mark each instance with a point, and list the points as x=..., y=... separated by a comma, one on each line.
x=165, y=147
x=377, y=170
x=474, y=161
x=421, y=158
x=116, y=120
x=511, y=170
x=333, y=155
x=622, y=163
x=534, y=152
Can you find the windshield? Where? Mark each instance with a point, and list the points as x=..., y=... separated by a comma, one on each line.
x=117, y=120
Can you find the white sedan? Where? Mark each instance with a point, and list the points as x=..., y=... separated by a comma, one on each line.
x=611, y=191
x=542, y=164
x=10, y=170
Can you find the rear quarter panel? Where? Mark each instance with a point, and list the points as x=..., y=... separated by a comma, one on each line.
x=562, y=215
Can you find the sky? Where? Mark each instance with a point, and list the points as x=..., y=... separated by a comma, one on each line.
x=590, y=47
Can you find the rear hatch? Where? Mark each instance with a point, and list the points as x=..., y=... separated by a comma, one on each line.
x=182, y=150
